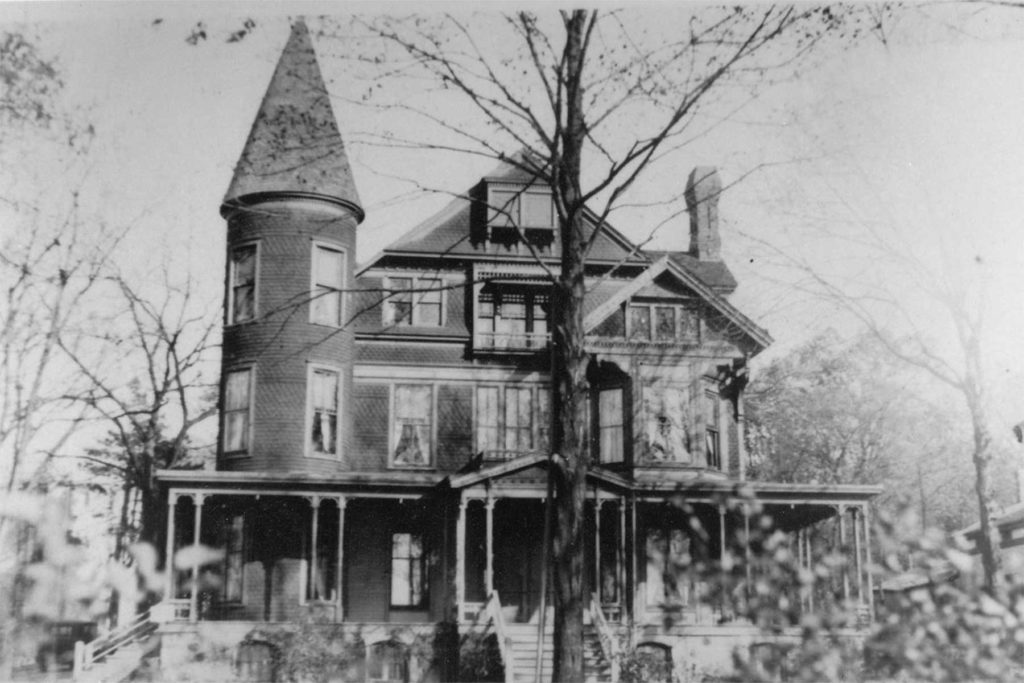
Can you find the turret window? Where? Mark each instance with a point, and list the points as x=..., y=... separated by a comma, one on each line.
x=242, y=293
x=237, y=410
x=324, y=391
x=328, y=285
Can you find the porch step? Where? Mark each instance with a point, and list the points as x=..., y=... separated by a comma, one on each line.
x=523, y=643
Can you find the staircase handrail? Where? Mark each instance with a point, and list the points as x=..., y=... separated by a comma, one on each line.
x=99, y=648
x=608, y=640
x=501, y=633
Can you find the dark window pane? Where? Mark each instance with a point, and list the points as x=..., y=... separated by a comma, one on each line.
x=665, y=323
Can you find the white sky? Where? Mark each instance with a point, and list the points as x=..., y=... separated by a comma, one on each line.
x=920, y=140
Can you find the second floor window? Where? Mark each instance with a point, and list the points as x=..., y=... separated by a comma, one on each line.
x=324, y=424
x=712, y=443
x=610, y=425
x=512, y=320
x=328, y=283
x=416, y=301
x=512, y=419
x=237, y=407
x=412, y=425
x=667, y=432
x=242, y=305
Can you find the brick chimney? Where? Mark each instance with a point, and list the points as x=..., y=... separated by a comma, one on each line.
x=702, y=191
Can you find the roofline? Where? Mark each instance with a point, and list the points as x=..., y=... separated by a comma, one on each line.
x=232, y=204
x=375, y=479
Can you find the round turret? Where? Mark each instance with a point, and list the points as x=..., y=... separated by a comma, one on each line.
x=292, y=212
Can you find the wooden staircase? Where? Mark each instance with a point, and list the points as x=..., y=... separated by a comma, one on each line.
x=522, y=649
x=113, y=657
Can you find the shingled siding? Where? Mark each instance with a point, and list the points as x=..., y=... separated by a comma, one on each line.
x=454, y=425
x=370, y=406
x=281, y=343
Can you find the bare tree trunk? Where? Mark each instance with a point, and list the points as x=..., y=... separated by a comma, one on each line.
x=570, y=369
x=989, y=543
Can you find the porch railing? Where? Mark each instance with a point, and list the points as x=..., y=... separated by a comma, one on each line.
x=511, y=341
x=88, y=654
x=608, y=639
x=501, y=633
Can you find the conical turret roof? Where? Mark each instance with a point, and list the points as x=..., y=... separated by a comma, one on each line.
x=294, y=147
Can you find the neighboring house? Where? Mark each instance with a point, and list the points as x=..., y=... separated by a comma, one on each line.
x=385, y=429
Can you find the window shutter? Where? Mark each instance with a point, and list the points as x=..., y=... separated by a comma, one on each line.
x=371, y=421
x=454, y=425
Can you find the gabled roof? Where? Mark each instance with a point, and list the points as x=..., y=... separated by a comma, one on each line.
x=461, y=481
x=294, y=147
x=666, y=264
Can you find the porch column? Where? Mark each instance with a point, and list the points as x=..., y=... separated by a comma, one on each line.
x=867, y=556
x=339, y=576
x=314, y=502
x=620, y=565
x=172, y=508
x=721, y=553
x=596, y=589
x=858, y=567
x=746, y=546
x=198, y=499
x=842, y=545
x=800, y=564
x=489, y=571
x=460, y=558
x=740, y=438
x=634, y=589
x=809, y=555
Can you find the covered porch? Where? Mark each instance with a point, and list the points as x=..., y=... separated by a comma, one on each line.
x=330, y=551
x=651, y=541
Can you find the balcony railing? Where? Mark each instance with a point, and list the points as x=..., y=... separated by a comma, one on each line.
x=512, y=341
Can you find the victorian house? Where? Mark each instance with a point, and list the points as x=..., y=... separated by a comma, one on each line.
x=384, y=428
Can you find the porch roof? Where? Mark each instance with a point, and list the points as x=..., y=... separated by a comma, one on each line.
x=392, y=480
x=692, y=485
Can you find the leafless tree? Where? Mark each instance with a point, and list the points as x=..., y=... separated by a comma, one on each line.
x=596, y=104
x=146, y=369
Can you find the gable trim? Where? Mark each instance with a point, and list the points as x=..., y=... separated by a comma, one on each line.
x=664, y=264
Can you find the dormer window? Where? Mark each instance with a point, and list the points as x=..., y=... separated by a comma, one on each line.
x=515, y=208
